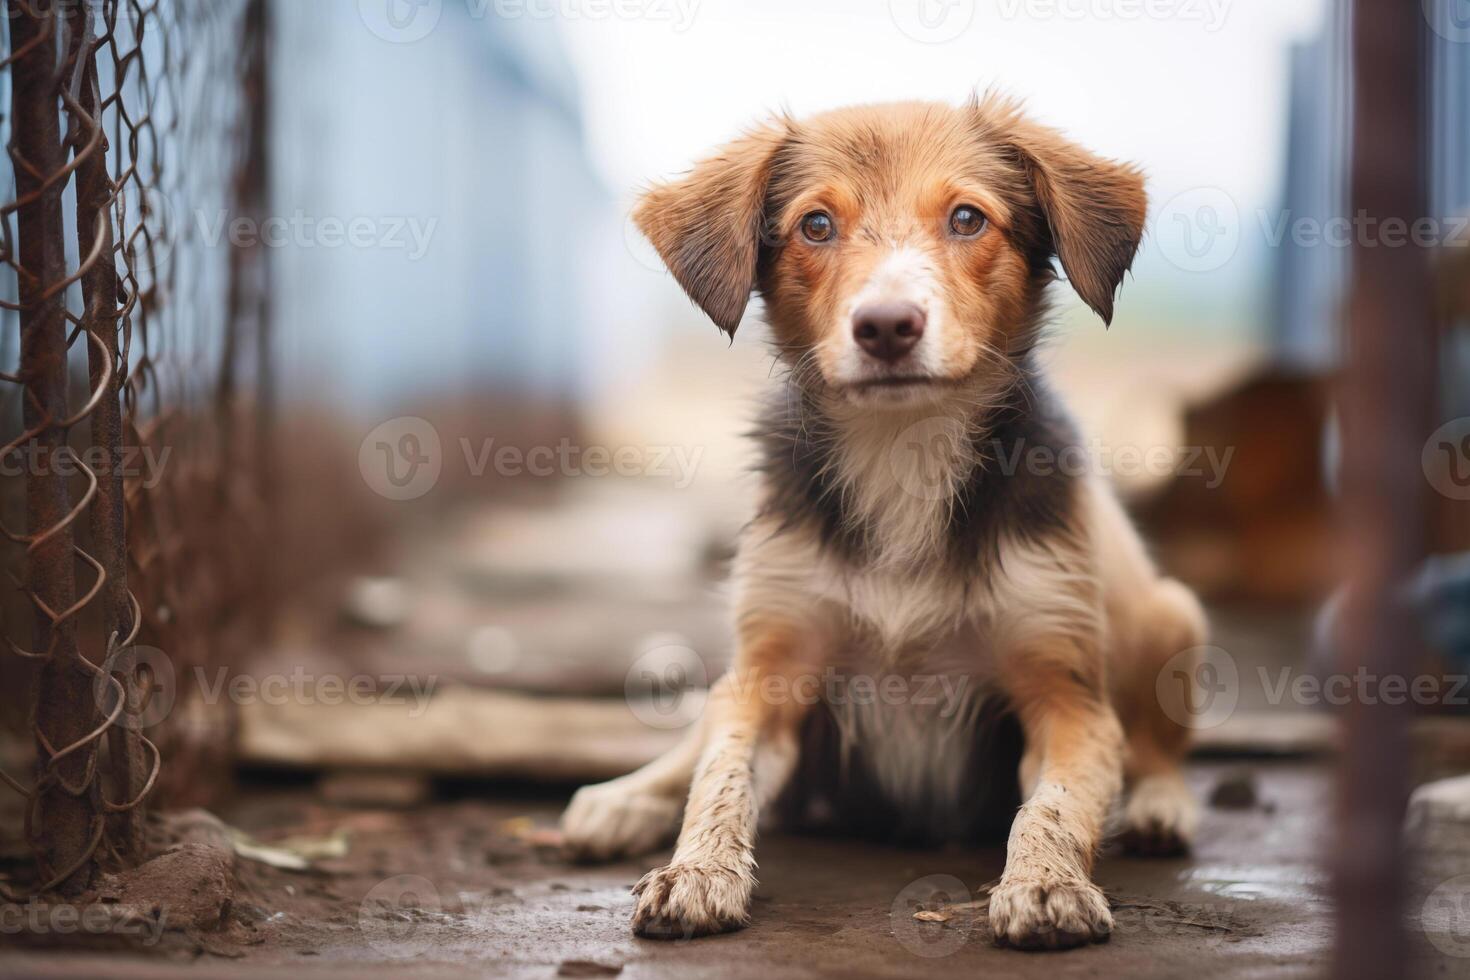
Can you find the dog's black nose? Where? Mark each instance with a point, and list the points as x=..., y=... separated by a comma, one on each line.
x=889, y=330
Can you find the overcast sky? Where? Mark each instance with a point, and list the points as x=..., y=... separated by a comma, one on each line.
x=1193, y=89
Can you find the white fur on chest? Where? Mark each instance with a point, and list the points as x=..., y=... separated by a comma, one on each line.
x=938, y=640
x=899, y=611
x=918, y=746
x=1027, y=587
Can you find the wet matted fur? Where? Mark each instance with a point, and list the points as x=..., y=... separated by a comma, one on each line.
x=905, y=540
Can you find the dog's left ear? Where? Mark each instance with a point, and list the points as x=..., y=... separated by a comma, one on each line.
x=1094, y=207
x=707, y=226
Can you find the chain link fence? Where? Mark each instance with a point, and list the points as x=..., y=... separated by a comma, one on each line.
x=135, y=402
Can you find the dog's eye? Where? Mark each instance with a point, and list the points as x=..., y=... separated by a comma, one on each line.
x=967, y=222
x=817, y=226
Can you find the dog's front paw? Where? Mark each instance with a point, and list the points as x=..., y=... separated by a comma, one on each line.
x=611, y=820
x=1160, y=818
x=682, y=901
x=1049, y=914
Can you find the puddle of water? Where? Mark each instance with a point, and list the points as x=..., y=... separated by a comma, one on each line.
x=1251, y=882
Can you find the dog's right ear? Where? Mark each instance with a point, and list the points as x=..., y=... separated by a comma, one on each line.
x=707, y=225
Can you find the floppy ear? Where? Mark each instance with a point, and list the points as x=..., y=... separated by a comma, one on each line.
x=1094, y=209
x=707, y=226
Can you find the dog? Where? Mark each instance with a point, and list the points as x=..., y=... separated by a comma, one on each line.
x=904, y=253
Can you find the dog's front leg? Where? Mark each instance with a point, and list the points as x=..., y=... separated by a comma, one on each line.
x=753, y=710
x=1071, y=772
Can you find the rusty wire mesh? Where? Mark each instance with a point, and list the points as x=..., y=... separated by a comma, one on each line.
x=135, y=349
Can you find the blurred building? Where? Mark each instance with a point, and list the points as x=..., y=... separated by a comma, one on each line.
x=1310, y=276
x=1309, y=279
x=463, y=150
x=1268, y=533
x=1449, y=188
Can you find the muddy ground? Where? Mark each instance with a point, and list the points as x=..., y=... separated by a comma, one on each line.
x=469, y=882
x=473, y=886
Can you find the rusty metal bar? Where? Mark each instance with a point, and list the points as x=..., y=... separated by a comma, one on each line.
x=248, y=309
x=260, y=36
x=65, y=815
x=1386, y=405
x=247, y=260
x=101, y=321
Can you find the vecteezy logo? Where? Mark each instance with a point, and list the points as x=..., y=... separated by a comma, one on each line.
x=402, y=458
x=923, y=918
x=393, y=912
x=1446, y=459
x=1445, y=917
x=659, y=685
x=640, y=247
x=154, y=686
x=1198, y=688
x=925, y=457
x=932, y=21
x=150, y=231
x=1450, y=19
x=1198, y=230
x=400, y=21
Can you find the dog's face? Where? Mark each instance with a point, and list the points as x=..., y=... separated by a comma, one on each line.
x=900, y=249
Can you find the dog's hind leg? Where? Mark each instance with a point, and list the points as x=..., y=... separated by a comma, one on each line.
x=1153, y=624
x=636, y=813
x=1160, y=814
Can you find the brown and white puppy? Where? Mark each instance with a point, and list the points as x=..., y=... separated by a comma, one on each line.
x=903, y=253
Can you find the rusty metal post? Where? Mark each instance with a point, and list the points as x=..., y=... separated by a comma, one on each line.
x=249, y=306
x=1386, y=407
x=258, y=88
x=247, y=261
x=100, y=324
x=65, y=821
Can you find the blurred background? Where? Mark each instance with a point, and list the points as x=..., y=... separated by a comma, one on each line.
x=524, y=307
x=396, y=392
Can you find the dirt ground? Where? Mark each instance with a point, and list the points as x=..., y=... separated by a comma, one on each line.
x=473, y=887
x=470, y=883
